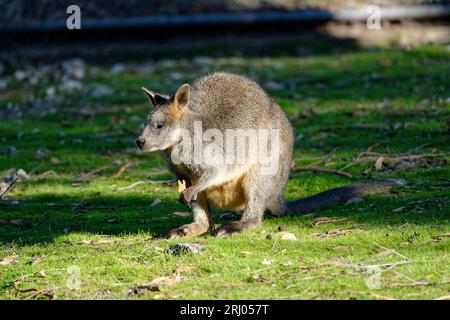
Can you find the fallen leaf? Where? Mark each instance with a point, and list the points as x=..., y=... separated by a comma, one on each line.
x=342, y=248
x=259, y=278
x=55, y=160
x=36, y=261
x=184, y=268
x=8, y=260
x=404, y=244
x=386, y=252
x=167, y=280
x=379, y=163
x=266, y=262
x=41, y=274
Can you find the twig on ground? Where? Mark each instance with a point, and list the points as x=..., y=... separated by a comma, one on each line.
x=9, y=187
x=320, y=170
x=122, y=169
x=391, y=250
x=93, y=172
x=137, y=183
x=358, y=158
x=365, y=157
x=416, y=284
x=326, y=159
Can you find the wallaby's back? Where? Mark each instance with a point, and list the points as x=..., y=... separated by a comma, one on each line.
x=228, y=101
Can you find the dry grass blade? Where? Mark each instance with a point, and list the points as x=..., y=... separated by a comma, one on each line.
x=321, y=220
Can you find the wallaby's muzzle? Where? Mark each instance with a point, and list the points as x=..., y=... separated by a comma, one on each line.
x=140, y=142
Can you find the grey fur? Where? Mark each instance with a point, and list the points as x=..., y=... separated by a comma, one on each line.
x=228, y=101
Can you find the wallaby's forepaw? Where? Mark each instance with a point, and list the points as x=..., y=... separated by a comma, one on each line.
x=188, y=195
x=191, y=229
x=235, y=227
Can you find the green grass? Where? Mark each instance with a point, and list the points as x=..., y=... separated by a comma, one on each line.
x=403, y=93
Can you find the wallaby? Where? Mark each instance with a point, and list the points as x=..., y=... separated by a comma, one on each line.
x=225, y=102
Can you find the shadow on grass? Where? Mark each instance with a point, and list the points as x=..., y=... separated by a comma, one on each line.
x=46, y=217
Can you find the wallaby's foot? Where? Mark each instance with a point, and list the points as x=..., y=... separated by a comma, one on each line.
x=191, y=229
x=236, y=226
x=188, y=195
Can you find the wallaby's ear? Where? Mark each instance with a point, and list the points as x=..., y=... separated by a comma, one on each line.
x=154, y=98
x=181, y=98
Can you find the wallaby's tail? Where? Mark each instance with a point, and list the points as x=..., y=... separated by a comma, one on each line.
x=339, y=195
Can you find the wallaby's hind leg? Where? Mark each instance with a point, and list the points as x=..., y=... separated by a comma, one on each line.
x=276, y=206
x=202, y=220
x=257, y=188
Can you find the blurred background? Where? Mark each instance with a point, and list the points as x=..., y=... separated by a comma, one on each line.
x=367, y=96
x=158, y=29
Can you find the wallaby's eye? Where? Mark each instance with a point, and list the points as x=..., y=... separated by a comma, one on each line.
x=159, y=125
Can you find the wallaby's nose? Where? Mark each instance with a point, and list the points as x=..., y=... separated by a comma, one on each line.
x=140, y=142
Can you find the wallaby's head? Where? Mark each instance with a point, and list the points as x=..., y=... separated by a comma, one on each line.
x=163, y=121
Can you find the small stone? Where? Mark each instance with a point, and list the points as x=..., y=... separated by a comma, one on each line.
x=20, y=75
x=281, y=228
x=155, y=203
x=202, y=60
x=3, y=84
x=289, y=237
x=186, y=248
x=50, y=92
x=118, y=68
x=71, y=85
x=269, y=237
x=42, y=152
x=74, y=68
x=101, y=91
x=176, y=76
